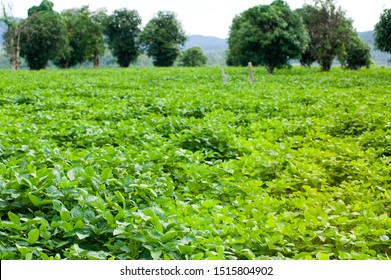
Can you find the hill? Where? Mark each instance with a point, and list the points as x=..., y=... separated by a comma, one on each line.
x=380, y=58
x=207, y=43
x=213, y=47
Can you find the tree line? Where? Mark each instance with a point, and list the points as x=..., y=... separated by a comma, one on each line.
x=266, y=35
x=272, y=35
x=75, y=36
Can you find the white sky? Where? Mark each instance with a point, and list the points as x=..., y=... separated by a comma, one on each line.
x=208, y=17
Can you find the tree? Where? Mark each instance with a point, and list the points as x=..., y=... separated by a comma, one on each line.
x=85, y=38
x=123, y=28
x=329, y=29
x=383, y=32
x=42, y=38
x=267, y=35
x=161, y=38
x=12, y=37
x=193, y=57
x=358, y=54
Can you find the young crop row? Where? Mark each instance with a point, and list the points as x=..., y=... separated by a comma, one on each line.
x=176, y=164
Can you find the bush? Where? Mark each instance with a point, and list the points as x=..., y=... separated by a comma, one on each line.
x=358, y=55
x=193, y=57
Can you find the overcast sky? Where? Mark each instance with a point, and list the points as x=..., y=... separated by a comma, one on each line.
x=208, y=17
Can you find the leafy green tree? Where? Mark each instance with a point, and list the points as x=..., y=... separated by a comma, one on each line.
x=358, y=54
x=42, y=38
x=268, y=35
x=85, y=38
x=383, y=32
x=193, y=57
x=329, y=29
x=123, y=28
x=161, y=38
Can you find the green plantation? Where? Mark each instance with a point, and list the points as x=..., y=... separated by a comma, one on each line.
x=177, y=164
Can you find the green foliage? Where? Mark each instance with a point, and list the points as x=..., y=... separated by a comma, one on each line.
x=43, y=37
x=193, y=57
x=45, y=6
x=329, y=31
x=161, y=38
x=308, y=57
x=123, y=28
x=268, y=35
x=383, y=32
x=85, y=38
x=358, y=54
x=111, y=164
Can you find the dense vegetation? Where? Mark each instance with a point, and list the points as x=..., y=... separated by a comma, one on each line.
x=75, y=36
x=193, y=57
x=175, y=164
x=80, y=37
x=272, y=35
x=267, y=35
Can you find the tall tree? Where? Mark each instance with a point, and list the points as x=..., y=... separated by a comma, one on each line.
x=383, y=32
x=329, y=30
x=12, y=36
x=43, y=36
x=161, y=38
x=123, y=28
x=268, y=35
x=85, y=38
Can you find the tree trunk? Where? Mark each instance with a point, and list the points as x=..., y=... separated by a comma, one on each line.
x=251, y=73
x=96, y=62
x=17, y=51
x=12, y=45
x=270, y=69
x=326, y=66
x=326, y=62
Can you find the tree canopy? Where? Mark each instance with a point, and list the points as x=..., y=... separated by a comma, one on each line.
x=383, y=32
x=329, y=30
x=84, y=35
x=267, y=35
x=193, y=57
x=123, y=28
x=161, y=38
x=43, y=37
x=45, y=6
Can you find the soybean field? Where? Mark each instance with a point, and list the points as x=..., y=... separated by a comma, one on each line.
x=175, y=163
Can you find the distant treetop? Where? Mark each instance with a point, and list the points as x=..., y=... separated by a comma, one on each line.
x=45, y=6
